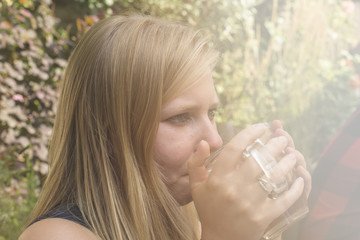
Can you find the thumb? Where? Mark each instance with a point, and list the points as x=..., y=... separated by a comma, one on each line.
x=276, y=124
x=196, y=169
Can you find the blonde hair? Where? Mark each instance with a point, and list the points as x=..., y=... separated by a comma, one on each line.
x=118, y=78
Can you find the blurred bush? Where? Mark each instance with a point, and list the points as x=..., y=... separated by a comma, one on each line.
x=33, y=54
x=281, y=59
x=19, y=190
x=281, y=65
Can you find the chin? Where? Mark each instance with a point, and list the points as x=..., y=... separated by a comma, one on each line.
x=183, y=201
x=181, y=191
x=184, y=197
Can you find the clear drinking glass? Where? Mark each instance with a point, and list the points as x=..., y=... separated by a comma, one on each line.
x=257, y=151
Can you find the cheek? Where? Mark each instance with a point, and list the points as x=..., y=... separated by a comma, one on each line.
x=172, y=149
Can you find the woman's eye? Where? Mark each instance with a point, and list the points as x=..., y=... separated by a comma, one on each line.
x=181, y=118
x=212, y=114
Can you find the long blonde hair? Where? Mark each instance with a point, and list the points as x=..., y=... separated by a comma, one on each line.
x=118, y=78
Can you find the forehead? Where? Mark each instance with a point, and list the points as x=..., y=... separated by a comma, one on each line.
x=201, y=92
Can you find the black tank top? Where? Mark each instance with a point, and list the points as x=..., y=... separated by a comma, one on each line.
x=68, y=212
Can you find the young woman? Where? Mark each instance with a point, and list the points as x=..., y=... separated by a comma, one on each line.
x=134, y=125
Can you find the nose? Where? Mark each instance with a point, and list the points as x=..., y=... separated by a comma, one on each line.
x=211, y=135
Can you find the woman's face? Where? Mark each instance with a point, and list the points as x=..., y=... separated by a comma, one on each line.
x=184, y=122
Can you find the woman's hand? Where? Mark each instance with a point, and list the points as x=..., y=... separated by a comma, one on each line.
x=230, y=201
x=300, y=168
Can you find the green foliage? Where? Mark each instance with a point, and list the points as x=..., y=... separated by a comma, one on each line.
x=277, y=64
x=286, y=67
x=19, y=190
x=32, y=59
x=33, y=55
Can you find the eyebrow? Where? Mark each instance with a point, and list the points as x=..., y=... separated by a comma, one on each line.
x=188, y=107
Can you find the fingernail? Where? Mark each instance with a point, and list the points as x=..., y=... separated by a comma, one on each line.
x=290, y=150
x=282, y=139
x=292, y=157
x=299, y=180
x=300, y=168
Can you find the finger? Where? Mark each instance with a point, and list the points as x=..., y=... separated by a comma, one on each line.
x=276, y=145
x=285, y=166
x=302, y=172
x=196, y=169
x=230, y=156
x=299, y=157
x=282, y=132
x=288, y=198
x=276, y=124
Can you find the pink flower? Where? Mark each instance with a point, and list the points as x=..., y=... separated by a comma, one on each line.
x=348, y=6
x=349, y=63
x=355, y=83
x=25, y=13
x=24, y=192
x=18, y=98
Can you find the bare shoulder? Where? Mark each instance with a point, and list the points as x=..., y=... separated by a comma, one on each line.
x=57, y=229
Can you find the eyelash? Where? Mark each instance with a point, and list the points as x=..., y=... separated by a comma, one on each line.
x=181, y=118
x=185, y=117
x=212, y=114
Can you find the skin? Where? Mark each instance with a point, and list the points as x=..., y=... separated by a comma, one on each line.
x=57, y=229
x=186, y=136
x=184, y=122
x=245, y=211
